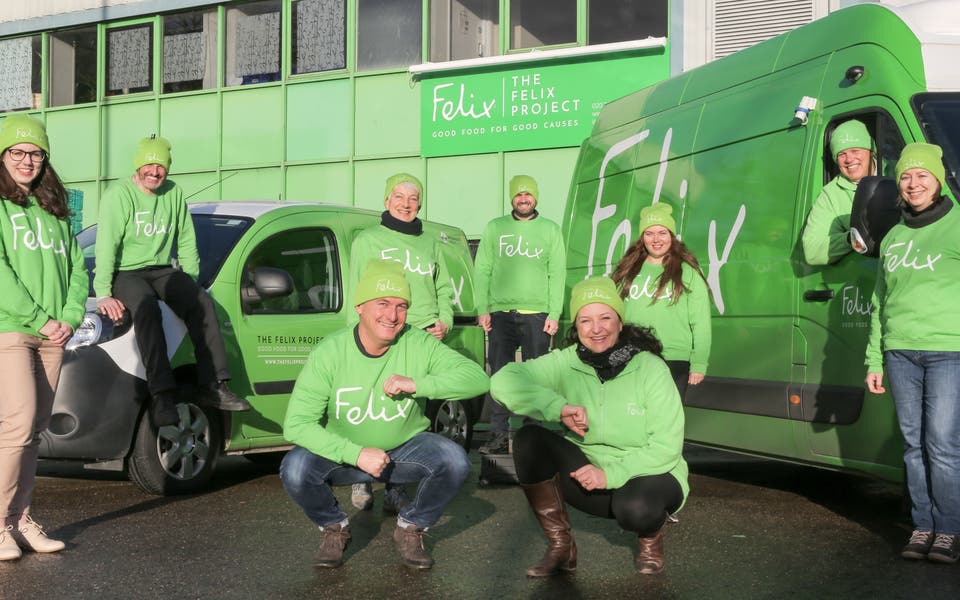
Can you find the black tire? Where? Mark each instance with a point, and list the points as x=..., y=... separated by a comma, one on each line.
x=453, y=420
x=266, y=460
x=177, y=459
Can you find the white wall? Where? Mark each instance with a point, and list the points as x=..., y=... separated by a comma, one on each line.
x=14, y=10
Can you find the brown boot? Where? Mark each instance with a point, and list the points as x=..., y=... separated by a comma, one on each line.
x=547, y=503
x=409, y=541
x=332, y=544
x=650, y=554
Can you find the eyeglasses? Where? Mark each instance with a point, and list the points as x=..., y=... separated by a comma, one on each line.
x=38, y=156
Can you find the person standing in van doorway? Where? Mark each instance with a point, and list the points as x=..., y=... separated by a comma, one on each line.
x=357, y=414
x=663, y=288
x=915, y=337
x=825, y=235
x=44, y=284
x=143, y=220
x=520, y=274
x=400, y=237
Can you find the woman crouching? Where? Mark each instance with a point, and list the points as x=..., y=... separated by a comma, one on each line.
x=620, y=455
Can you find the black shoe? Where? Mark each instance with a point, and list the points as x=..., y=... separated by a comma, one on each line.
x=945, y=548
x=163, y=410
x=498, y=444
x=919, y=545
x=218, y=395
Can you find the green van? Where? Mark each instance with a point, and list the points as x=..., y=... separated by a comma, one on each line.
x=726, y=145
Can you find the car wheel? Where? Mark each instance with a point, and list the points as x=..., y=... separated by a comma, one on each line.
x=451, y=420
x=176, y=459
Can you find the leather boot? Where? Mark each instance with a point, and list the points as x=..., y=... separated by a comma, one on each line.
x=332, y=544
x=546, y=501
x=409, y=542
x=650, y=554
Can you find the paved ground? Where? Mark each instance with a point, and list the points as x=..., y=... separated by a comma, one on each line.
x=751, y=529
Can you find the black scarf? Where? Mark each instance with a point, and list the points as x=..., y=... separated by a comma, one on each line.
x=414, y=227
x=609, y=363
x=932, y=214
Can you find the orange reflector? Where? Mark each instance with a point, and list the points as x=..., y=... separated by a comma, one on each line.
x=794, y=399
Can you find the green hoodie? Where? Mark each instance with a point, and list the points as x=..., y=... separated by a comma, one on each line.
x=683, y=328
x=825, y=236
x=42, y=273
x=635, y=419
x=431, y=289
x=521, y=265
x=138, y=230
x=338, y=406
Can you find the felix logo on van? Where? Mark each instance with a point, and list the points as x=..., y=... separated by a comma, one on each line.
x=148, y=228
x=33, y=239
x=508, y=247
x=356, y=415
x=903, y=256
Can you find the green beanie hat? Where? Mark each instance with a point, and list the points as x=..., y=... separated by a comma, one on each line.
x=850, y=134
x=23, y=129
x=395, y=180
x=919, y=155
x=153, y=150
x=657, y=214
x=595, y=289
x=381, y=279
x=524, y=183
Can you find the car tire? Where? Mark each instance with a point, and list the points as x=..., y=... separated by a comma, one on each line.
x=177, y=459
x=453, y=420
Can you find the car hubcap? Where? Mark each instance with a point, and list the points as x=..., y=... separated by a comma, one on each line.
x=184, y=448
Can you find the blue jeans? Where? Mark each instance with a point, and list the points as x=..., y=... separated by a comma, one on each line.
x=926, y=393
x=437, y=463
x=510, y=330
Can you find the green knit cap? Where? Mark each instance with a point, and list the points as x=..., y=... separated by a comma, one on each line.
x=21, y=128
x=851, y=134
x=381, y=279
x=395, y=180
x=524, y=183
x=153, y=150
x=657, y=214
x=595, y=289
x=919, y=155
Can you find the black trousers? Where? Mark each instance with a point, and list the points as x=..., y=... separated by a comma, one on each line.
x=680, y=370
x=140, y=291
x=641, y=505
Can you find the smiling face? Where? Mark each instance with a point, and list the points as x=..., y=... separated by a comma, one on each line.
x=24, y=171
x=919, y=188
x=855, y=163
x=381, y=320
x=657, y=240
x=598, y=327
x=524, y=204
x=149, y=178
x=403, y=203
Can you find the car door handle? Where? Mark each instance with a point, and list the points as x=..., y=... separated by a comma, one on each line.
x=818, y=295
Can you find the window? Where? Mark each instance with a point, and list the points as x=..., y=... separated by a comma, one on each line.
x=309, y=256
x=622, y=20
x=461, y=29
x=189, y=51
x=319, y=36
x=389, y=33
x=73, y=67
x=129, y=59
x=542, y=23
x=253, y=43
x=20, y=73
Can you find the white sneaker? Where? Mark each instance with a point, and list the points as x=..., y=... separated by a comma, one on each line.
x=361, y=495
x=9, y=550
x=31, y=537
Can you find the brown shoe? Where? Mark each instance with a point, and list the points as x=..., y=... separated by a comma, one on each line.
x=332, y=544
x=409, y=543
x=546, y=500
x=650, y=554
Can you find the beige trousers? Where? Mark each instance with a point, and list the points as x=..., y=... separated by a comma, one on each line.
x=29, y=370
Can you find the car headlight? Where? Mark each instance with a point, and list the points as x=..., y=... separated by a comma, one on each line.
x=93, y=330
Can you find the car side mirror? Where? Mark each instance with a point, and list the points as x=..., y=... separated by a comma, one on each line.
x=266, y=283
x=875, y=211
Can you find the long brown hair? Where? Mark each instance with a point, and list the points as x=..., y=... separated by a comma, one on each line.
x=46, y=187
x=631, y=263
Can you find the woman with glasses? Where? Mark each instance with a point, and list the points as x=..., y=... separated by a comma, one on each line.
x=44, y=281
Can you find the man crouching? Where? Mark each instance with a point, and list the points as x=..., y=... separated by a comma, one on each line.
x=357, y=415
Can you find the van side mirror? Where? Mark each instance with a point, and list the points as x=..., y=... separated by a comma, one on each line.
x=875, y=212
x=266, y=283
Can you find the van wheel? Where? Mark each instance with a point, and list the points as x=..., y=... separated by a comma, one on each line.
x=451, y=420
x=176, y=459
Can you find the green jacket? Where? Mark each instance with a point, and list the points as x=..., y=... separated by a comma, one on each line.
x=826, y=235
x=139, y=230
x=42, y=273
x=521, y=265
x=635, y=419
x=683, y=328
x=338, y=406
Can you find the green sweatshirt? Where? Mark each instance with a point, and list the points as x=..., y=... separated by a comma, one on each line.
x=139, y=230
x=520, y=265
x=338, y=406
x=918, y=284
x=683, y=328
x=635, y=419
x=825, y=236
x=42, y=273
x=431, y=290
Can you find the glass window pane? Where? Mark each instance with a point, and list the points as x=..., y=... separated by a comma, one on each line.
x=20, y=73
x=319, y=35
x=130, y=60
x=73, y=67
x=309, y=256
x=542, y=23
x=461, y=29
x=190, y=51
x=623, y=20
x=253, y=43
x=389, y=33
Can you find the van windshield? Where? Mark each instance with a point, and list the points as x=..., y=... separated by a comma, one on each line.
x=939, y=115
